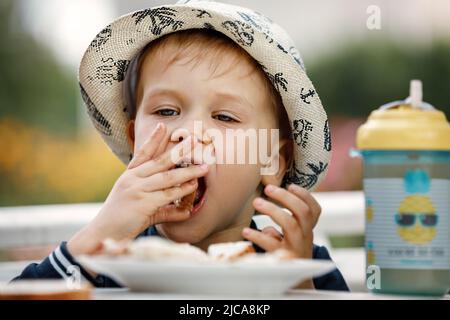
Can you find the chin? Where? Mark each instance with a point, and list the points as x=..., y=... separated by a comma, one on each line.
x=183, y=233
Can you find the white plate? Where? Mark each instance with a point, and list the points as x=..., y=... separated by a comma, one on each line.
x=207, y=278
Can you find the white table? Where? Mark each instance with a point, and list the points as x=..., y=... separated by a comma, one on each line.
x=342, y=214
x=303, y=294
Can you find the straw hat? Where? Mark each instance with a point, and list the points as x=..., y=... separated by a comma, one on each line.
x=105, y=62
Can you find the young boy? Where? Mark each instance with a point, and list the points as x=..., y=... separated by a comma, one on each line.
x=147, y=80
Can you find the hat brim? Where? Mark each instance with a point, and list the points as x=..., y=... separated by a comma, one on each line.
x=105, y=62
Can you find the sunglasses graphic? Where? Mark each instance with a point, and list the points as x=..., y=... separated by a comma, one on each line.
x=409, y=219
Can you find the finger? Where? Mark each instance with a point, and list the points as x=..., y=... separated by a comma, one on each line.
x=163, y=145
x=290, y=226
x=307, y=197
x=148, y=149
x=300, y=210
x=170, y=178
x=262, y=240
x=169, y=195
x=170, y=213
x=271, y=231
x=167, y=160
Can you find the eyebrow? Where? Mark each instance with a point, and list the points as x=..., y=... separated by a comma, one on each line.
x=233, y=97
x=221, y=95
x=161, y=92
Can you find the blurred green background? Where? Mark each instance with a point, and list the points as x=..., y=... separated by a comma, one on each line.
x=362, y=76
x=34, y=87
x=45, y=158
x=50, y=154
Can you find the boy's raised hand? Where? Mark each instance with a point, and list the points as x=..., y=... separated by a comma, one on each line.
x=143, y=194
x=297, y=228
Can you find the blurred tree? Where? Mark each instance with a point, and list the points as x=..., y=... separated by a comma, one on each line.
x=42, y=159
x=38, y=167
x=362, y=76
x=33, y=87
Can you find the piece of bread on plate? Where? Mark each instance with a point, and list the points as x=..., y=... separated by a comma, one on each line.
x=43, y=290
x=161, y=249
x=230, y=251
x=156, y=248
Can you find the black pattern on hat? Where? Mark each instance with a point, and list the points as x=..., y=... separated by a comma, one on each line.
x=242, y=32
x=101, y=39
x=306, y=180
x=161, y=18
x=110, y=70
x=100, y=121
x=202, y=13
x=306, y=95
x=302, y=129
x=277, y=79
x=326, y=136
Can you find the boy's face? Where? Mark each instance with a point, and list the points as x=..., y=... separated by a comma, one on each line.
x=186, y=91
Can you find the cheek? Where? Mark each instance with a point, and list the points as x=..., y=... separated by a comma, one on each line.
x=238, y=165
x=143, y=128
x=237, y=183
x=234, y=188
x=252, y=151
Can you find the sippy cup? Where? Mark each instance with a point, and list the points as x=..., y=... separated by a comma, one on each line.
x=405, y=147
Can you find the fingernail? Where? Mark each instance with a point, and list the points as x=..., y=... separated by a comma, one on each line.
x=204, y=167
x=270, y=188
x=246, y=231
x=258, y=201
x=193, y=182
x=157, y=129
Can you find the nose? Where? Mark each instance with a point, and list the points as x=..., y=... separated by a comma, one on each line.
x=181, y=134
x=205, y=150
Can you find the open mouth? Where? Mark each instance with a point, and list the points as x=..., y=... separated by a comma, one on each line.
x=200, y=193
x=194, y=201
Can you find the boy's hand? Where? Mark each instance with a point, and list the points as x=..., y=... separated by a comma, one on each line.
x=297, y=228
x=142, y=195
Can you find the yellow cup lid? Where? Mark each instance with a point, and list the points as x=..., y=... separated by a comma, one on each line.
x=410, y=124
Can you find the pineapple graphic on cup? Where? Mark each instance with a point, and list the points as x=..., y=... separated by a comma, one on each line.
x=416, y=218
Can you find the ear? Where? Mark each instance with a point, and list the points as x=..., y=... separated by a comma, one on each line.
x=130, y=134
x=285, y=157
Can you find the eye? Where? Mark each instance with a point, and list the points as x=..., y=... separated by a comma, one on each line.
x=224, y=118
x=167, y=112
